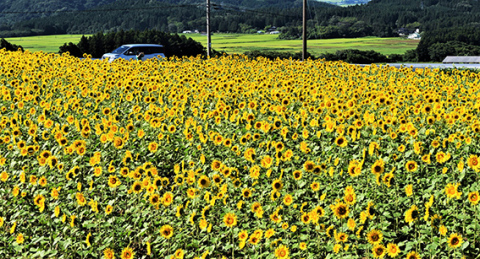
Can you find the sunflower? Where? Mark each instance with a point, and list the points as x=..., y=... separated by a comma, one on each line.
x=266, y=162
x=393, y=250
x=340, y=210
x=127, y=253
x=374, y=237
x=451, y=190
x=411, y=166
x=81, y=199
x=108, y=254
x=349, y=196
x=409, y=190
x=413, y=255
x=297, y=175
x=370, y=211
x=246, y=193
x=412, y=214
x=167, y=199
x=473, y=162
x=204, y=181
x=256, y=206
x=341, y=141
x=275, y=217
x=277, y=185
x=473, y=198
x=216, y=165
x=243, y=235
x=166, y=231
x=230, y=220
x=378, y=251
x=153, y=147
x=113, y=181
x=378, y=167
x=118, y=142
x=136, y=187
x=282, y=252
x=288, y=199
x=341, y=237
x=154, y=199
x=454, y=241
x=20, y=239
x=388, y=179
x=351, y=224
x=309, y=166
x=305, y=218
x=269, y=233
x=179, y=254
x=254, y=240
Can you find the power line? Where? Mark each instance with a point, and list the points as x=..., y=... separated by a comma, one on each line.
x=102, y=10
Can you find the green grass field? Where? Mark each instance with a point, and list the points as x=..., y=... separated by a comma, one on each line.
x=239, y=43
x=49, y=43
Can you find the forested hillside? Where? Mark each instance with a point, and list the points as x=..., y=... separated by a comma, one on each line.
x=385, y=18
x=12, y=11
x=165, y=15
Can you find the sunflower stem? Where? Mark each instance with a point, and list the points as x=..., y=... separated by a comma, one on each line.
x=233, y=246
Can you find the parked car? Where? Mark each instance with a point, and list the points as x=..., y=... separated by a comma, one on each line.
x=130, y=51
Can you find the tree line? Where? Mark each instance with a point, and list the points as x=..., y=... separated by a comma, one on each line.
x=100, y=43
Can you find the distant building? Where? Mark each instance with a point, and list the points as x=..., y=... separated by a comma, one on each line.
x=188, y=31
x=403, y=32
x=415, y=36
x=271, y=29
x=461, y=60
x=275, y=32
x=260, y=32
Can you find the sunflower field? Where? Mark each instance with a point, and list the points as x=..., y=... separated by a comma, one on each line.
x=236, y=158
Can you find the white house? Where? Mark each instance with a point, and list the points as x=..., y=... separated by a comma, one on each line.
x=415, y=35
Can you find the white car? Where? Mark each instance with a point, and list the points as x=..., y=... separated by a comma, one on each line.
x=131, y=51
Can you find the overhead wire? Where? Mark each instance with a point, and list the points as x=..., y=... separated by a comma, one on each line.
x=101, y=10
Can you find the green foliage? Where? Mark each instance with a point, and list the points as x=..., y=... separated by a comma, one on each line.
x=166, y=15
x=439, y=51
x=359, y=57
x=457, y=43
x=8, y=46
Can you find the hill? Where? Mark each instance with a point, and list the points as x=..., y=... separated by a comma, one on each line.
x=386, y=18
x=165, y=15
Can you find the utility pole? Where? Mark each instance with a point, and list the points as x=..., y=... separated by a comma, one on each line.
x=304, y=50
x=209, y=43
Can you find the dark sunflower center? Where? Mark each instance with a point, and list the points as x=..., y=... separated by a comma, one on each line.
x=379, y=251
x=414, y=214
x=455, y=241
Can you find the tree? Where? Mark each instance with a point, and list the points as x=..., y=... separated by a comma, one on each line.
x=8, y=46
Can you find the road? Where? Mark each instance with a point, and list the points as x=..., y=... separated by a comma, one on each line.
x=429, y=65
